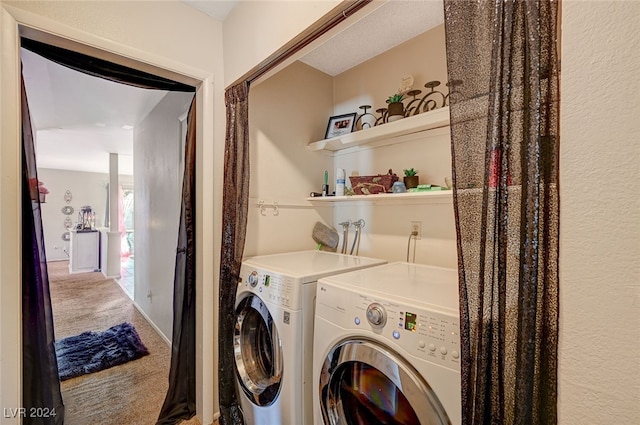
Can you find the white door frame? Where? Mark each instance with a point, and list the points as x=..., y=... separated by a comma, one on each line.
x=12, y=21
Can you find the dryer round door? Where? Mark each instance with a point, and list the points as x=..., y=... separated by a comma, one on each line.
x=364, y=382
x=257, y=351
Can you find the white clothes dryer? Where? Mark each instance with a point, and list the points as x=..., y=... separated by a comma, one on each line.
x=386, y=347
x=273, y=337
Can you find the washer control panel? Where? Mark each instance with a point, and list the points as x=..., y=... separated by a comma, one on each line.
x=271, y=287
x=429, y=334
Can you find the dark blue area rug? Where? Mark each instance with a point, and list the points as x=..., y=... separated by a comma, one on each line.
x=93, y=351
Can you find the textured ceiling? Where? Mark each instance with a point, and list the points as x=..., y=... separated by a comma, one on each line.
x=391, y=24
x=388, y=26
x=217, y=9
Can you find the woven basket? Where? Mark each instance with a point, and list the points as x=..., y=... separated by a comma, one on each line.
x=370, y=185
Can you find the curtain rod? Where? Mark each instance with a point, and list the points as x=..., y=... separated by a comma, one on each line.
x=325, y=24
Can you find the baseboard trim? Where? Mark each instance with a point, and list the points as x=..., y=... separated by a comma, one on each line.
x=153, y=325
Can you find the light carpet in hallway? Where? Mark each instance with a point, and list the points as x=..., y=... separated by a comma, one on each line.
x=131, y=393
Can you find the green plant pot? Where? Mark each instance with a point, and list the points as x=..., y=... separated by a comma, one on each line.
x=411, y=181
x=395, y=111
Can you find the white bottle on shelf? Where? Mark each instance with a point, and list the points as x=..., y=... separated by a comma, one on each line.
x=340, y=182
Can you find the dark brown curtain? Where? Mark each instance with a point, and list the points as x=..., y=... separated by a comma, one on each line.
x=502, y=60
x=235, y=206
x=180, y=401
x=40, y=382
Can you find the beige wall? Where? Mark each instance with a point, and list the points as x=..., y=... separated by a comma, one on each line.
x=285, y=112
x=169, y=35
x=256, y=29
x=86, y=189
x=157, y=195
x=291, y=109
x=372, y=82
x=149, y=28
x=388, y=227
x=599, y=356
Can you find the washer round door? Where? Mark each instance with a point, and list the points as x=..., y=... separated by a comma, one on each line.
x=258, y=351
x=363, y=382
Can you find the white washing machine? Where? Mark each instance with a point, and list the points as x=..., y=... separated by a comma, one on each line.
x=386, y=347
x=273, y=338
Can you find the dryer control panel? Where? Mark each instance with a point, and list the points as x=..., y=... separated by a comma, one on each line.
x=431, y=334
x=427, y=334
x=271, y=287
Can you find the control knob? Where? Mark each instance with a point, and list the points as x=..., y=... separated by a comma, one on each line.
x=376, y=315
x=253, y=279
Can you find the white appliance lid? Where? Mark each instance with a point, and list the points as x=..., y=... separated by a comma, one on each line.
x=404, y=282
x=310, y=265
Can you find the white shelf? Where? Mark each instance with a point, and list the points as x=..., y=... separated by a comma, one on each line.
x=435, y=196
x=422, y=122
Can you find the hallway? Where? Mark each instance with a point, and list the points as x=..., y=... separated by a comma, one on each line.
x=131, y=393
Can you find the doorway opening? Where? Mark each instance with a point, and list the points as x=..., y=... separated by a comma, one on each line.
x=125, y=242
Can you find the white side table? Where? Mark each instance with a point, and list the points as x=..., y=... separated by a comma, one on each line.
x=85, y=251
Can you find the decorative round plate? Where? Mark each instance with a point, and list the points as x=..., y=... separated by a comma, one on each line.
x=66, y=236
x=67, y=210
x=406, y=83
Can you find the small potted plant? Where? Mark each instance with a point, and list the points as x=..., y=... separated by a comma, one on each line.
x=411, y=178
x=396, y=107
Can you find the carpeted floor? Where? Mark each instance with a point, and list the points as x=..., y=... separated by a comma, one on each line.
x=131, y=393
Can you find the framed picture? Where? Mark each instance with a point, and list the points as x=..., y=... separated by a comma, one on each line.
x=339, y=125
